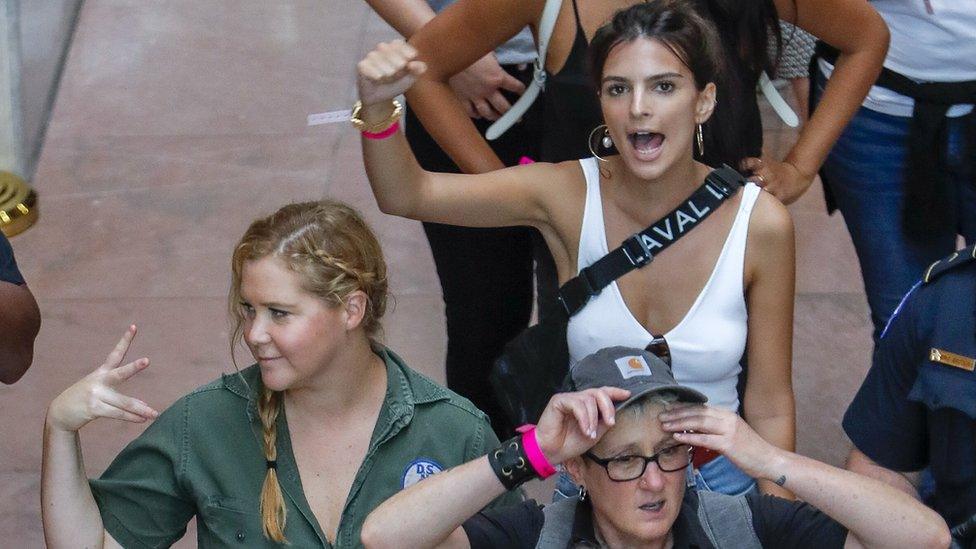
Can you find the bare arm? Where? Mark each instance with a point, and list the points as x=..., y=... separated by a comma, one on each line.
x=449, y=498
x=513, y=196
x=863, y=465
x=406, y=16
x=478, y=87
x=856, y=29
x=460, y=35
x=452, y=497
x=875, y=514
x=19, y=323
x=768, y=402
x=68, y=510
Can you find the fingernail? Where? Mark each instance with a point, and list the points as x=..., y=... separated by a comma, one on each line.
x=592, y=434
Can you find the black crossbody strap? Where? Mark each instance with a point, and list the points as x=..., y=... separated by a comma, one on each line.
x=640, y=248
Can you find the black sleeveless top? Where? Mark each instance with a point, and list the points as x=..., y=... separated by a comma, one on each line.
x=571, y=108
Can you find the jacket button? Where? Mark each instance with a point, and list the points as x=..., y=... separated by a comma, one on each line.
x=240, y=535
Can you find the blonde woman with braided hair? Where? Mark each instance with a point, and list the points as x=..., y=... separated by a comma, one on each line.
x=296, y=449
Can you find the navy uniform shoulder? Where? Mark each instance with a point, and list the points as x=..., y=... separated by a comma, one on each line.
x=965, y=256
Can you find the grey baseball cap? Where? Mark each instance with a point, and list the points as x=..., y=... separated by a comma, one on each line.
x=636, y=370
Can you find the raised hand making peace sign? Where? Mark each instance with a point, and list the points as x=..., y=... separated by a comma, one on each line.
x=96, y=394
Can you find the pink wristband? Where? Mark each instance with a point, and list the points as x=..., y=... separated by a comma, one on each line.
x=537, y=459
x=383, y=134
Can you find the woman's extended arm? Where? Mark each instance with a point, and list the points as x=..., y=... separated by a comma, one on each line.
x=478, y=87
x=68, y=510
x=456, y=38
x=768, y=403
x=876, y=515
x=861, y=464
x=513, y=196
x=451, y=497
x=405, y=16
x=856, y=29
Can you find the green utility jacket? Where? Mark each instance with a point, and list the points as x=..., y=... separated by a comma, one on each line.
x=202, y=457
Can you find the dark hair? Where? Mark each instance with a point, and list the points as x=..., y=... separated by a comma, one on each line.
x=720, y=41
x=672, y=23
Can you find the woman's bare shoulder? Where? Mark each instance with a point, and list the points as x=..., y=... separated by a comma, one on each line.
x=771, y=225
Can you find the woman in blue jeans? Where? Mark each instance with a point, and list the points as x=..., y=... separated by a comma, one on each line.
x=897, y=226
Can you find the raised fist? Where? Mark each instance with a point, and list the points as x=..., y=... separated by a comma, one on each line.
x=387, y=71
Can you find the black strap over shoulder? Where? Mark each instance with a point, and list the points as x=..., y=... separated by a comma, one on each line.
x=640, y=249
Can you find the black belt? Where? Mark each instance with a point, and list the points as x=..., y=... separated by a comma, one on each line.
x=930, y=205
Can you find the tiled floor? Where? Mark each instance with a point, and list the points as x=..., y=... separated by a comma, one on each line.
x=180, y=121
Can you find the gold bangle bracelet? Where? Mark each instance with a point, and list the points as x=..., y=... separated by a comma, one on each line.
x=361, y=124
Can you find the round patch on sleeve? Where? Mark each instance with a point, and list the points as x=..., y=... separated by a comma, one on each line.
x=418, y=470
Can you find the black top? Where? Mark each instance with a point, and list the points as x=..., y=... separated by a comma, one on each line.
x=8, y=266
x=917, y=406
x=777, y=522
x=571, y=108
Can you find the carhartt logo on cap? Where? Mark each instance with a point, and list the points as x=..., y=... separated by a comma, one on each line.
x=631, y=366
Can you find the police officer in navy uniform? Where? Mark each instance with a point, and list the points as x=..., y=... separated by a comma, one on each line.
x=917, y=407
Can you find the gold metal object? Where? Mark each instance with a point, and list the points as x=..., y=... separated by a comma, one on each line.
x=700, y=140
x=361, y=124
x=18, y=204
x=952, y=359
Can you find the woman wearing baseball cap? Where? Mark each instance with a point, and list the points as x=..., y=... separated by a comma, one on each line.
x=626, y=434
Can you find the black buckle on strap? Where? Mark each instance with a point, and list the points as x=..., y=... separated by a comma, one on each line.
x=637, y=251
x=725, y=189
x=726, y=179
x=576, y=292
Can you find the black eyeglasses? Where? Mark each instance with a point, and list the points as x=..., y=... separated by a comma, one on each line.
x=624, y=468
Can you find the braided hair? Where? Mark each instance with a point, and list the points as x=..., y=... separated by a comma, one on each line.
x=334, y=252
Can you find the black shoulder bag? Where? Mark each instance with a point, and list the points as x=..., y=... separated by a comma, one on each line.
x=533, y=366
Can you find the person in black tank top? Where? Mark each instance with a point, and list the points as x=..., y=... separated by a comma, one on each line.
x=569, y=91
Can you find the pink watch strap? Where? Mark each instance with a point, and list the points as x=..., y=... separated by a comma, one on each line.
x=537, y=459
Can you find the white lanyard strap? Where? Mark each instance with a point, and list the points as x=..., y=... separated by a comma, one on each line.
x=546, y=25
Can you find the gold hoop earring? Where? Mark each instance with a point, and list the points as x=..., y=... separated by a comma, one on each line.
x=700, y=140
x=604, y=140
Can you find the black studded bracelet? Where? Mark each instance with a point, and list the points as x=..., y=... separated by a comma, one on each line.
x=511, y=464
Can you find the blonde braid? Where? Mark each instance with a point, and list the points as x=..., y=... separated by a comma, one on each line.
x=359, y=276
x=273, y=512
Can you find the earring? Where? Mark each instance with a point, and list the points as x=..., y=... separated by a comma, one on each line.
x=582, y=493
x=700, y=140
x=605, y=141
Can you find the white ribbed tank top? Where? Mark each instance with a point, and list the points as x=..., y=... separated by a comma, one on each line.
x=707, y=343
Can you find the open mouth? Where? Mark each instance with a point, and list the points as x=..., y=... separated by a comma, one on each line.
x=646, y=143
x=652, y=507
